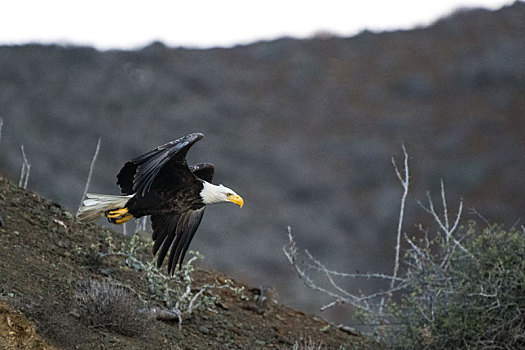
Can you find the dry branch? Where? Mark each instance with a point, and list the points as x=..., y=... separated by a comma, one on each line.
x=405, y=180
x=334, y=290
x=443, y=223
x=419, y=257
x=24, y=173
x=90, y=173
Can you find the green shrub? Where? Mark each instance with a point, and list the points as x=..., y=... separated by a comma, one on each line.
x=464, y=300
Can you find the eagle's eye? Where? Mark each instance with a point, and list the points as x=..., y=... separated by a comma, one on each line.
x=229, y=194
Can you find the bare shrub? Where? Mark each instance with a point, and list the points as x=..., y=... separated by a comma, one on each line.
x=311, y=270
x=104, y=304
x=461, y=288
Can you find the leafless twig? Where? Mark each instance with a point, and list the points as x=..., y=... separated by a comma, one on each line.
x=90, y=173
x=367, y=275
x=478, y=214
x=405, y=180
x=24, y=173
x=339, y=294
x=443, y=223
x=1, y=124
x=290, y=252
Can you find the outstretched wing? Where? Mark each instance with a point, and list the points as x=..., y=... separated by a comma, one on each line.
x=203, y=171
x=140, y=174
x=175, y=231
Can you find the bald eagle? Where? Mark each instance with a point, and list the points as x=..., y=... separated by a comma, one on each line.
x=160, y=183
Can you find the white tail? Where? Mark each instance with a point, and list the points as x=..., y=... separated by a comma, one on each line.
x=97, y=204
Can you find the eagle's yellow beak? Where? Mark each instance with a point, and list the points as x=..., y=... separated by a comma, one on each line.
x=234, y=198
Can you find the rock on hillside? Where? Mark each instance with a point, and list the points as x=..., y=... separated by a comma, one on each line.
x=45, y=252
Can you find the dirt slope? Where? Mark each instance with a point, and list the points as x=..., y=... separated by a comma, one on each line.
x=44, y=253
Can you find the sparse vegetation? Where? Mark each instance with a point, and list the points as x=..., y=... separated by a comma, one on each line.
x=176, y=293
x=462, y=288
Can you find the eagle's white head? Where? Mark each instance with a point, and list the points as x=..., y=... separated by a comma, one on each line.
x=211, y=193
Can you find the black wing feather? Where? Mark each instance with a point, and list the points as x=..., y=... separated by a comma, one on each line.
x=175, y=231
x=189, y=236
x=171, y=231
x=178, y=250
x=138, y=175
x=160, y=225
x=182, y=224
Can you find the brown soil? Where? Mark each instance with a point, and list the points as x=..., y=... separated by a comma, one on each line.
x=44, y=253
x=17, y=332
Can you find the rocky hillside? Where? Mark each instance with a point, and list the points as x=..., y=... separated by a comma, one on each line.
x=302, y=129
x=46, y=257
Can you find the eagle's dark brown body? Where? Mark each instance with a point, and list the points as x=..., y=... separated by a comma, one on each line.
x=167, y=201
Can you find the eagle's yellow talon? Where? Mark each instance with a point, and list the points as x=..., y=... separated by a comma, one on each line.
x=116, y=213
x=122, y=220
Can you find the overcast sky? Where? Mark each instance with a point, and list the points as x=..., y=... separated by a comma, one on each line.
x=130, y=24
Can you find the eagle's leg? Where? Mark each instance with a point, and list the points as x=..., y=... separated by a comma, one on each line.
x=121, y=219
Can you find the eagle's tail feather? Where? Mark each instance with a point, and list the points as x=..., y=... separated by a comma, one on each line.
x=96, y=206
